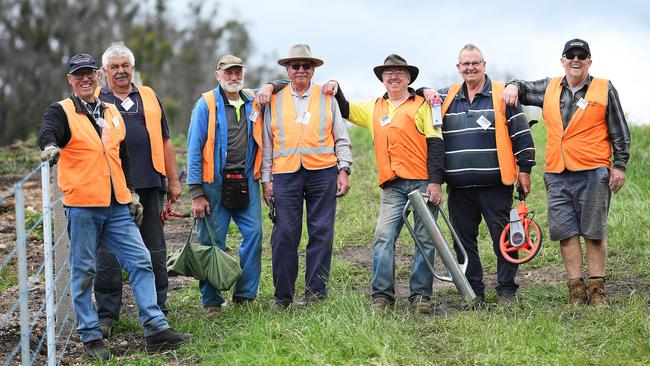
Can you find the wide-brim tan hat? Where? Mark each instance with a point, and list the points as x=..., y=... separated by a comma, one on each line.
x=396, y=61
x=301, y=51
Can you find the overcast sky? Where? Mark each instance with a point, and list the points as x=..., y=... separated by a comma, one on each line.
x=520, y=38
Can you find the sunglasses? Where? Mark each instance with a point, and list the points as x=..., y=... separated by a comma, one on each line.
x=305, y=66
x=81, y=75
x=572, y=54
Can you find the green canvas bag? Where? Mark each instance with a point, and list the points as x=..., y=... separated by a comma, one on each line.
x=205, y=262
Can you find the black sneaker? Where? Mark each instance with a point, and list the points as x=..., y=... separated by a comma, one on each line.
x=478, y=304
x=507, y=298
x=96, y=350
x=166, y=340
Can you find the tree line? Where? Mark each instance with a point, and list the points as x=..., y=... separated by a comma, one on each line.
x=175, y=57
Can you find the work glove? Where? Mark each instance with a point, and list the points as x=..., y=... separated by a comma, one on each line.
x=51, y=153
x=136, y=209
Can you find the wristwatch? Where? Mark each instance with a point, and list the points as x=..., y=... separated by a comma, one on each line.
x=346, y=169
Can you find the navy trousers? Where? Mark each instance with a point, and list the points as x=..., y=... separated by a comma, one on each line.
x=318, y=190
x=466, y=205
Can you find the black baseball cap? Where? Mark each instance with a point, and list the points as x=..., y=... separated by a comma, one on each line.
x=576, y=43
x=81, y=61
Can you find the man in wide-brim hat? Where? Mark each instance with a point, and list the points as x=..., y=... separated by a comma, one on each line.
x=409, y=153
x=306, y=155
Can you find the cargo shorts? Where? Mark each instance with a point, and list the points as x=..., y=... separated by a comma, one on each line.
x=578, y=203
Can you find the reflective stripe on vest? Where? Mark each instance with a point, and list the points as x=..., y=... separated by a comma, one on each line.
x=89, y=164
x=153, y=122
x=208, y=148
x=400, y=149
x=294, y=144
x=507, y=162
x=585, y=143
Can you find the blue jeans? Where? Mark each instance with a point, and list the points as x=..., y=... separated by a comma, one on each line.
x=249, y=222
x=115, y=228
x=390, y=221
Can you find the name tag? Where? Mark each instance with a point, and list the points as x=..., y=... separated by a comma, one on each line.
x=305, y=118
x=100, y=122
x=127, y=104
x=582, y=104
x=385, y=120
x=484, y=122
x=253, y=116
x=116, y=122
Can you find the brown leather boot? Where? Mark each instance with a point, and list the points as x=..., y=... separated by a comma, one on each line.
x=596, y=290
x=577, y=292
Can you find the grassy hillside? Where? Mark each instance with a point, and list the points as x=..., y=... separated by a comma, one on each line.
x=540, y=330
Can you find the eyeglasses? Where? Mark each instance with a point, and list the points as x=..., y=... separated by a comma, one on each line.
x=570, y=55
x=82, y=75
x=390, y=74
x=471, y=63
x=305, y=66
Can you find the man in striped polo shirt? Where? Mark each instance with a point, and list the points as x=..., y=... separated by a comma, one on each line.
x=487, y=150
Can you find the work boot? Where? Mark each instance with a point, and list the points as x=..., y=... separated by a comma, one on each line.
x=596, y=290
x=477, y=304
x=96, y=350
x=166, y=340
x=422, y=304
x=212, y=311
x=507, y=298
x=106, y=325
x=381, y=303
x=577, y=291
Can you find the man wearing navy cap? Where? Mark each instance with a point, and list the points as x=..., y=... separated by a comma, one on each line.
x=585, y=124
x=86, y=137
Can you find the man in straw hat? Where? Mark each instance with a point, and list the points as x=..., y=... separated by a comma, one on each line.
x=306, y=155
x=488, y=148
x=409, y=153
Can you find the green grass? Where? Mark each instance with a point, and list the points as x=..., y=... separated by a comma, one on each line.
x=540, y=330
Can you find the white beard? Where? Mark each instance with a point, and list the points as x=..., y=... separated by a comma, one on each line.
x=232, y=87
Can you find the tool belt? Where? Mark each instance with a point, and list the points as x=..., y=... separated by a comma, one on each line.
x=234, y=190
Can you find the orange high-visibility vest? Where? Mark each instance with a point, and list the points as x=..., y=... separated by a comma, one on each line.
x=298, y=144
x=507, y=162
x=153, y=122
x=585, y=144
x=88, y=166
x=400, y=149
x=208, y=148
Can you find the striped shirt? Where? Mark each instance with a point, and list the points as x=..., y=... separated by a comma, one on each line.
x=470, y=139
x=532, y=93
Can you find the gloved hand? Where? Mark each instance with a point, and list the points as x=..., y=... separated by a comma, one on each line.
x=136, y=209
x=50, y=152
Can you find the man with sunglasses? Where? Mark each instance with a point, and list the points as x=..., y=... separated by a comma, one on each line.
x=306, y=156
x=488, y=149
x=152, y=156
x=584, y=123
x=87, y=138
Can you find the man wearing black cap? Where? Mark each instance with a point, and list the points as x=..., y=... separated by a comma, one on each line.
x=584, y=123
x=86, y=137
x=409, y=152
x=488, y=149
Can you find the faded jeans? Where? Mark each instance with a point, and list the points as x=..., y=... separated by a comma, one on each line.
x=116, y=229
x=389, y=224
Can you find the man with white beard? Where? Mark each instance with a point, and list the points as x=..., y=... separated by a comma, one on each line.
x=223, y=162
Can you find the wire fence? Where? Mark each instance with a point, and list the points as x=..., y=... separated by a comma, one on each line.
x=37, y=325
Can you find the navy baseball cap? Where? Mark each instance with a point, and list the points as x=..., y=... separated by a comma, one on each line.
x=576, y=43
x=81, y=61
